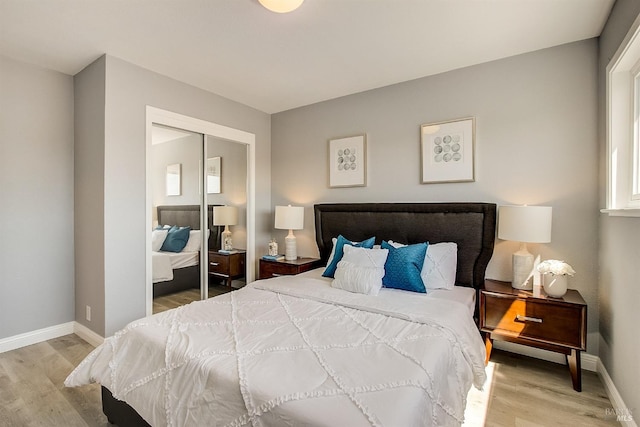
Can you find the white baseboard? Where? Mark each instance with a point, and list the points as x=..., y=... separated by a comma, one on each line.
x=87, y=334
x=622, y=413
x=34, y=337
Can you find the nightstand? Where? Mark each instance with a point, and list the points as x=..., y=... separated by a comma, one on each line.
x=270, y=268
x=228, y=266
x=554, y=324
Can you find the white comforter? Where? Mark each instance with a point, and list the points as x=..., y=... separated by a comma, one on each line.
x=294, y=351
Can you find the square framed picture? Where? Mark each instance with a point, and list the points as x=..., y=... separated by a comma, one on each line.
x=448, y=151
x=214, y=175
x=348, y=161
x=173, y=179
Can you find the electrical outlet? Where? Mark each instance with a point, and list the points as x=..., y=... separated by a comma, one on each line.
x=88, y=313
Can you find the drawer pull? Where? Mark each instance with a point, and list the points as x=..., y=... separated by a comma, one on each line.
x=277, y=275
x=214, y=263
x=520, y=318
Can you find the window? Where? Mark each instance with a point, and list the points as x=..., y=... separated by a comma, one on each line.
x=623, y=127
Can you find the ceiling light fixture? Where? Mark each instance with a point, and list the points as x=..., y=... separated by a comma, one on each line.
x=281, y=6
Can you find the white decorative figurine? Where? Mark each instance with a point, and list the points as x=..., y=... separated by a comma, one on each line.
x=273, y=248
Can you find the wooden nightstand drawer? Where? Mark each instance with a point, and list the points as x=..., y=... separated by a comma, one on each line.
x=228, y=266
x=270, y=269
x=218, y=263
x=537, y=320
x=274, y=269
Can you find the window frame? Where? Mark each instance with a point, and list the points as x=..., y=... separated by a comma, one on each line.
x=623, y=127
x=635, y=152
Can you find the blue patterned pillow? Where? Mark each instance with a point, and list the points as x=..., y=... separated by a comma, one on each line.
x=176, y=239
x=403, y=267
x=338, y=252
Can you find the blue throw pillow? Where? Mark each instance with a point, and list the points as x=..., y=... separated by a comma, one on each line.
x=176, y=239
x=403, y=267
x=338, y=252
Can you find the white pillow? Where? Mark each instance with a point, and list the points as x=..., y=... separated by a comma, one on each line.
x=194, y=242
x=361, y=270
x=157, y=239
x=440, y=265
x=333, y=249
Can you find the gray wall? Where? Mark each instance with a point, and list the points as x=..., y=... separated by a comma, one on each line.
x=186, y=151
x=619, y=277
x=128, y=90
x=89, y=94
x=536, y=143
x=36, y=198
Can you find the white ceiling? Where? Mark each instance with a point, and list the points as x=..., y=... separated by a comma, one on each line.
x=275, y=62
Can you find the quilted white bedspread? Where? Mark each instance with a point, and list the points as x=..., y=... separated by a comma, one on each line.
x=293, y=351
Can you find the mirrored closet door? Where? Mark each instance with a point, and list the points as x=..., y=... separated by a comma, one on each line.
x=188, y=264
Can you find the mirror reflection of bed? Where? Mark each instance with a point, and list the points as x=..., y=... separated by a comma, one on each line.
x=176, y=270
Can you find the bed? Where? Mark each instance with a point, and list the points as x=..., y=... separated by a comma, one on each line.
x=295, y=350
x=174, y=272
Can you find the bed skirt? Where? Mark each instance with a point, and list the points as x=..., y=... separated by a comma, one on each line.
x=183, y=278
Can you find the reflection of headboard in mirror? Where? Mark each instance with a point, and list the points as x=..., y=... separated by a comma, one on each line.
x=189, y=216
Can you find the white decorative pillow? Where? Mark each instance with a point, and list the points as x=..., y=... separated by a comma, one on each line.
x=440, y=265
x=333, y=250
x=194, y=242
x=157, y=239
x=361, y=270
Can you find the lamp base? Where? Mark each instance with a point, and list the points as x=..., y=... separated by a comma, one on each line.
x=290, y=250
x=226, y=244
x=522, y=269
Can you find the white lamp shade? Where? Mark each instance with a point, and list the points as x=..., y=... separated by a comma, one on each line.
x=281, y=6
x=529, y=224
x=225, y=215
x=289, y=217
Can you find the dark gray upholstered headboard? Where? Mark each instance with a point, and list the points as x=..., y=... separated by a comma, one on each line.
x=471, y=225
x=189, y=216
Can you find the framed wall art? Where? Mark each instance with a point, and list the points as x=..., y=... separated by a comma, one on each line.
x=448, y=151
x=348, y=161
x=174, y=176
x=214, y=175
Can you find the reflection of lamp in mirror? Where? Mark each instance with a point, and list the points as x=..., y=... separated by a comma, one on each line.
x=290, y=218
x=524, y=224
x=225, y=215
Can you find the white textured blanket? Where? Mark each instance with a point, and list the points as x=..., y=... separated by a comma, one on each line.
x=294, y=351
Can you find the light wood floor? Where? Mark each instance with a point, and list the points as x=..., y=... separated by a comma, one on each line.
x=526, y=392
x=522, y=392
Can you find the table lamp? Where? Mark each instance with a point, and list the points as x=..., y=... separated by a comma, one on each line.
x=524, y=224
x=289, y=218
x=225, y=215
